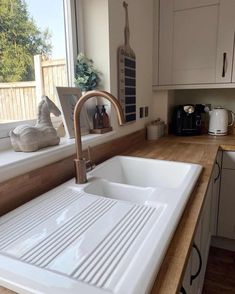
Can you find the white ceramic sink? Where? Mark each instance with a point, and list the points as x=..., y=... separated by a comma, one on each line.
x=144, y=181
x=107, y=236
x=146, y=172
x=104, y=188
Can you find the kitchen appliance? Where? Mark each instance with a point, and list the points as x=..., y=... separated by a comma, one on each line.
x=187, y=119
x=219, y=123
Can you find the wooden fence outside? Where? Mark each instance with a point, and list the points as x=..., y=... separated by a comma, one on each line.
x=19, y=100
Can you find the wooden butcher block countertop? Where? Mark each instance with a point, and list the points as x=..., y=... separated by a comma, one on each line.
x=198, y=149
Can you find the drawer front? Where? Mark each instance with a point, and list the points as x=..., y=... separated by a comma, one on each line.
x=229, y=160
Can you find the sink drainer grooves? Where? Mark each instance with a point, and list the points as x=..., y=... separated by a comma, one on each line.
x=30, y=219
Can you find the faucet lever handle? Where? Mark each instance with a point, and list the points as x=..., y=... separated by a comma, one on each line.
x=90, y=164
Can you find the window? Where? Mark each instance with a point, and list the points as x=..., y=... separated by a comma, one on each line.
x=38, y=45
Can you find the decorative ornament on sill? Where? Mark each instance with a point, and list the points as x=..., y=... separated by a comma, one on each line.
x=87, y=78
x=101, y=121
x=28, y=138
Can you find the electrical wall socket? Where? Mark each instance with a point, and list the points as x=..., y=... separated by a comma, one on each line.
x=141, y=112
x=146, y=111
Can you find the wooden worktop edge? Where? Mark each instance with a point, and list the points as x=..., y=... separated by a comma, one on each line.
x=169, y=277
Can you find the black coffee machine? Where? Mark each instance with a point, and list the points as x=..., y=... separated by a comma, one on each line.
x=187, y=119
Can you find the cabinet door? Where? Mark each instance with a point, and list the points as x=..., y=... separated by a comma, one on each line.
x=205, y=234
x=195, y=271
x=196, y=267
x=216, y=176
x=194, y=274
x=191, y=286
x=206, y=223
x=195, y=283
x=226, y=219
x=225, y=54
x=186, y=281
x=188, y=41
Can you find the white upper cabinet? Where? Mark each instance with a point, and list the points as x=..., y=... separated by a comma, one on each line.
x=196, y=40
x=225, y=47
x=194, y=45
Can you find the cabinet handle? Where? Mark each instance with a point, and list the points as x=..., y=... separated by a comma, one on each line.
x=224, y=64
x=219, y=172
x=182, y=290
x=193, y=277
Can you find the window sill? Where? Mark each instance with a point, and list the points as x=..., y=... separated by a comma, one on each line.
x=13, y=163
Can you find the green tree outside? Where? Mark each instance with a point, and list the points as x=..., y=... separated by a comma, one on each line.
x=20, y=40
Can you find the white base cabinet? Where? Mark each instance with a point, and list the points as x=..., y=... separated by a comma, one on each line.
x=226, y=217
x=217, y=219
x=215, y=193
x=192, y=275
x=196, y=268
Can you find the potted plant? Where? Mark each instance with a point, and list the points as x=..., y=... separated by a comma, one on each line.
x=86, y=75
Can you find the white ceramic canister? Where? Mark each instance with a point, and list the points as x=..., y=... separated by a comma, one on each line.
x=153, y=132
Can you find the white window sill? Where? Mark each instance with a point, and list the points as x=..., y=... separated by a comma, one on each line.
x=13, y=163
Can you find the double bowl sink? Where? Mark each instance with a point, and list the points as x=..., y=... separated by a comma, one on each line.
x=142, y=180
x=106, y=236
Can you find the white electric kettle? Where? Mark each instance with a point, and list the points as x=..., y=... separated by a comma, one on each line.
x=218, y=124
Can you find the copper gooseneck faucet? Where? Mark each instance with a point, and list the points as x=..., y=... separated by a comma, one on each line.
x=80, y=162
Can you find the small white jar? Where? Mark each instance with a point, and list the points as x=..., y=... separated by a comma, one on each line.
x=153, y=132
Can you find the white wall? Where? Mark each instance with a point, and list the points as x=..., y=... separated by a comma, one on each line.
x=96, y=37
x=215, y=97
x=104, y=33
x=162, y=105
x=104, y=22
x=164, y=101
x=141, y=41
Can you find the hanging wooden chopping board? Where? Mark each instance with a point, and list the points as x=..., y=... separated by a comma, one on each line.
x=127, y=73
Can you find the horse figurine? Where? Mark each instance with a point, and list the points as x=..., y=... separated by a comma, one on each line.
x=31, y=138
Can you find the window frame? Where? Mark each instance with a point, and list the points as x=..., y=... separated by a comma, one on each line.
x=72, y=12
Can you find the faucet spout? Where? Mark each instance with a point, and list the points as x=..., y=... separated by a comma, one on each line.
x=80, y=162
